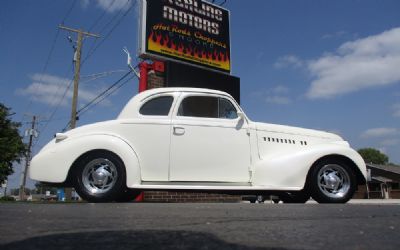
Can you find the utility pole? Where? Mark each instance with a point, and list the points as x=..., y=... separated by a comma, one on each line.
x=77, y=60
x=32, y=133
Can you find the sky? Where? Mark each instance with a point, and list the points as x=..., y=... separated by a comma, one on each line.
x=328, y=65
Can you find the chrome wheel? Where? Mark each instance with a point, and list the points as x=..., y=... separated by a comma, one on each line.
x=334, y=181
x=99, y=176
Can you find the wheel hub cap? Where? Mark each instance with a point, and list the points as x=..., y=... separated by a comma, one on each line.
x=333, y=181
x=99, y=176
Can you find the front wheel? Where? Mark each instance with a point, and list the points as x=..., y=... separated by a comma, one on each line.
x=100, y=177
x=332, y=181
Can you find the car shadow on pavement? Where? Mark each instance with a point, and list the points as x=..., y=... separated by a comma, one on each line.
x=149, y=239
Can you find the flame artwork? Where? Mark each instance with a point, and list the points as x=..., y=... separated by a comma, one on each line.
x=162, y=43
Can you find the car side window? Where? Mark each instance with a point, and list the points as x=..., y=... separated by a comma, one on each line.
x=226, y=109
x=207, y=107
x=199, y=106
x=159, y=106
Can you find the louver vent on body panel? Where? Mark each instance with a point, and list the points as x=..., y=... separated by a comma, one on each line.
x=283, y=141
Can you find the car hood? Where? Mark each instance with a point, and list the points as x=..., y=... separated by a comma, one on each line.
x=297, y=131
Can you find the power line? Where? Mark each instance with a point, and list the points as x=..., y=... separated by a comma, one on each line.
x=93, y=102
x=103, y=93
x=108, y=94
x=101, y=16
x=50, y=54
x=93, y=49
x=55, y=109
x=68, y=12
x=93, y=77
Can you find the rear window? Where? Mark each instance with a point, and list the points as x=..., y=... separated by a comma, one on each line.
x=159, y=106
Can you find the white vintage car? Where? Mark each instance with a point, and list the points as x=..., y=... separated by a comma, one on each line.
x=198, y=140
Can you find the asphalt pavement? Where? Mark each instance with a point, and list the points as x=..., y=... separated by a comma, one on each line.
x=199, y=226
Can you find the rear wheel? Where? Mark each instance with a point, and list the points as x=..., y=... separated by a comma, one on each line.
x=100, y=177
x=332, y=181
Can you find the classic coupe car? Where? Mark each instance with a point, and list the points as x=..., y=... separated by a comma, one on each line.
x=198, y=140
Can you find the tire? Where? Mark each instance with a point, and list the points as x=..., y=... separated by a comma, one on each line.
x=332, y=181
x=295, y=197
x=100, y=177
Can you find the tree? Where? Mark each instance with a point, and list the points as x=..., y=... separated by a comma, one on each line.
x=374, y=156
x=12, y=149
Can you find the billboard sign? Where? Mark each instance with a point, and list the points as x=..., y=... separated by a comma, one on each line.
x=189, y=31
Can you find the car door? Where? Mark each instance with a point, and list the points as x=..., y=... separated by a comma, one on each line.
x=150, y=134
x=209, y=142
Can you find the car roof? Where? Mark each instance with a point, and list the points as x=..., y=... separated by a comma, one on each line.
x=155, y=91
x=129, y=112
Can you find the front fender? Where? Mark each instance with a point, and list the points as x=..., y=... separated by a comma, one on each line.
x=289, y=171
x=53, y=163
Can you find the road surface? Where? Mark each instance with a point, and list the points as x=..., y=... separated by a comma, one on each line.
x=198, y=226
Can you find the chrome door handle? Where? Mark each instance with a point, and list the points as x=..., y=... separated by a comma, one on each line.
x=179, y=131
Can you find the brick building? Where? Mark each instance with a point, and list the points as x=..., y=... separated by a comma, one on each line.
x=384, y=183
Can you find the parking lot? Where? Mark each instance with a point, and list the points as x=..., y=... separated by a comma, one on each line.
x=199, y=226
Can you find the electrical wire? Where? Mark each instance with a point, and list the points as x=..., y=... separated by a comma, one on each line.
x=89, y=78
x=55, y=110
x=47, y=62
x=53, y=45
x=93, y=49
x=103, y=93
x=107, y=95
x=91, y=52
x=68, y=12
x=101, y=16
x=99, y=99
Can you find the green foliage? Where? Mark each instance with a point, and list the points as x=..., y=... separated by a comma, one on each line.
x=7, y=198
x=11, y=146
x=374, y=156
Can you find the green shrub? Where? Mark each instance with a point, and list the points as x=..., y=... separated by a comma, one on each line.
x=7, y=198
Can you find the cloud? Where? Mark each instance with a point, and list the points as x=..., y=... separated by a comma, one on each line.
x=380, y=132
x=396, y=110
x=278, y=99
x=337, y=34
x=85, y=3
x=288, y=61
x=390, y=142
x=113, y=5
x=49, y=90
x=276, y=95
x=110, y=6
x=280, y=90
x=364, y=63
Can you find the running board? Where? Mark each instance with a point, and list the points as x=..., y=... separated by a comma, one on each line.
x=205, y=186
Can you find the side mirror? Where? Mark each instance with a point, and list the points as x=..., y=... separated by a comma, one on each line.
x=241, y=115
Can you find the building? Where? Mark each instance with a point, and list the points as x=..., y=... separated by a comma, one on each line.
x=384, y=183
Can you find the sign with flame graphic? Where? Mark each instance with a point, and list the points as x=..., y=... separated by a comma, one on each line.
x=190, y=31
